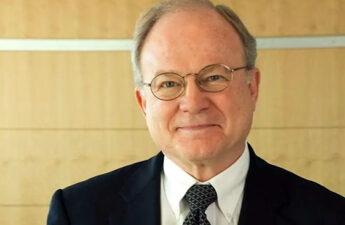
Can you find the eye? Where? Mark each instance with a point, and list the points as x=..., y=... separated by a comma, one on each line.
x=213, y=78
x=168, y=84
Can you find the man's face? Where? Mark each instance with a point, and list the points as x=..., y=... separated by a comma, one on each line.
x=198, y=127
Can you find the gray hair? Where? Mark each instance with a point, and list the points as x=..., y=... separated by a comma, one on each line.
x=148, y=19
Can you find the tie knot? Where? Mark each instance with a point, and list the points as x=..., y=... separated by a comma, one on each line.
x=199, y=197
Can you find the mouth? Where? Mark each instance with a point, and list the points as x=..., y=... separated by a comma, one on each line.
x=197, y=127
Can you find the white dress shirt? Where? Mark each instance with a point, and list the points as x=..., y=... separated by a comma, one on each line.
x=229, y=186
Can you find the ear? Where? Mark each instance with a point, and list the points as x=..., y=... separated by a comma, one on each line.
x=141, y=101
x=254, y=84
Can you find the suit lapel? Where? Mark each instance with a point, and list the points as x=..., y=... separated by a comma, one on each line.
x=140, y=195
x=262, y=198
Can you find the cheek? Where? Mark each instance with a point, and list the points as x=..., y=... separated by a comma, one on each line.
x=242, y=98
x=239, y=106
x=158, y=115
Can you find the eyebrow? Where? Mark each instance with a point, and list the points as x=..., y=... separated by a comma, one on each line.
x=173, y=71
x=164, y=71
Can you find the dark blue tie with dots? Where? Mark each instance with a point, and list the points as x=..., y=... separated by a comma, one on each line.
x=199, y=197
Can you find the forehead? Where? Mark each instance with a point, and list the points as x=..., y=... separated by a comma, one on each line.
x=188, y=39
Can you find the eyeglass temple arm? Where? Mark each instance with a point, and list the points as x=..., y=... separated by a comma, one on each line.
x=148, y=84
x=240, y=68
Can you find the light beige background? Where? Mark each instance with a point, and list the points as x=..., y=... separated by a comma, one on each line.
x=67, y=116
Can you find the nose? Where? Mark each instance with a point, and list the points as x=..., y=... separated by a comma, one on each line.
x=193, y=100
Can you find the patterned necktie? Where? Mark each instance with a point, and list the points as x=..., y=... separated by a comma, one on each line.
x=199, y=197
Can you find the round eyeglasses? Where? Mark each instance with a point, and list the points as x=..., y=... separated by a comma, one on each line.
x=212, y=78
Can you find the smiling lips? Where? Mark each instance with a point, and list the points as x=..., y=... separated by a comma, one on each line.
x=197, y=127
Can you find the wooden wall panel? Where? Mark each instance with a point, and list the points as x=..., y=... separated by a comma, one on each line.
x=28, y=215
x=116, y=19
x=292, y=17
x=67, y=90
x=69, y=18
x=299, y=88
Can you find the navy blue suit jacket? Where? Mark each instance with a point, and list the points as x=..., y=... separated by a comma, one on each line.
x=131, y=196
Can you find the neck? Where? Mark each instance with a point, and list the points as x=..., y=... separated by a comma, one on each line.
x=204, y=170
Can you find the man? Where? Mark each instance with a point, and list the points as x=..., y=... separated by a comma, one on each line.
x=197, y=86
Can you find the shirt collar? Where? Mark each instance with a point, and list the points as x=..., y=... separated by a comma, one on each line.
x=229, y=184
x=176, y=183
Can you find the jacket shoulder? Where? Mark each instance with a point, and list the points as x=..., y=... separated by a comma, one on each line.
x=112, y=180
x=107, y=186
x=303, y=196
x=93, y=200
x=300, y=185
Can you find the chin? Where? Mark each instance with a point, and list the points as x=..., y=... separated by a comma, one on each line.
x=198, y=151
